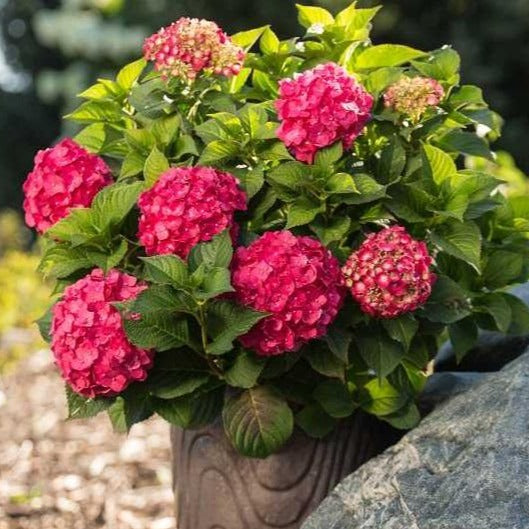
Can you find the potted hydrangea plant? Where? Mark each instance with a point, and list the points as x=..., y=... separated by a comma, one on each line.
x=264, y=242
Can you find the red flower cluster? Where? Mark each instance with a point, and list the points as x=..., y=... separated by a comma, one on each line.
x=65, y=176
x=412, y=96
x=297, y=280
x=319, y=107
x=191, y=45
x=390, y=273
x=89, y=343
x=186, y=206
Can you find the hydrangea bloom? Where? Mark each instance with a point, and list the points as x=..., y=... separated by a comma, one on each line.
x=412, y=96
x=320, y=107
x=390, y=273
x=297, y=280
x=186, y=206
x=64, y=177
x=88, y=341
x=191, y=45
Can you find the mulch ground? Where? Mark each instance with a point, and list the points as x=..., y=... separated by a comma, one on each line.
x=58, y=474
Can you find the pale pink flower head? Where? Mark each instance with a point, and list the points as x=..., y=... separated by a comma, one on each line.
x=389, y=274
x=296, y=280
x=88, y=341
x=412, y=96
x=64, y=177
x=320, y=107
x=186, y=206
x=190, y=46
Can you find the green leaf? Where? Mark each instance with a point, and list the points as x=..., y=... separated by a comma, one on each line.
x=402, y=329
x=338, y=340
x=502, y=269
x=334, y=398
x=378, y=80
x=180, y=383
x=462, y=240
x=381, y=398
x=404, y=419
x=80, y=407
x=303, y=211
x=185, y=144
x=97, y=92
x=44, y=324
x=216, y=282
x=246, y=39
x=442, y=65
x=226, y=322
x=498, y=307
x=97, y=111
x=380, y=353
x=129, y=408
x=113, y=203
x=216, y=253
x=520, y=315
x=448, y=303
x=110, y=259
x=155, y=164
x=253, y=118
x=166, y=270
x=335, y=231
x=160, y=331
x=327, y=157
x=218, y=150
x=309, y=15
x=258, y=421
x=290, y=174
x=460, y=141
x=438, y=164
x=133, y=164
x=61, y=261
x=385, y=55
x=92, y=137
x=191, y=411
x=324, y=361
x=163, y=300
x=392, y=161
x=466, y=95
x=341, y=183
x=269, y=42
x=165, y=129
x=245, y=371
x=368, y=190
x=314, y=421
x=130, y=73
x=463, y=335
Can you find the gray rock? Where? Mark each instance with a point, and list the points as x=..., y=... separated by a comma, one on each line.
x=466, y=466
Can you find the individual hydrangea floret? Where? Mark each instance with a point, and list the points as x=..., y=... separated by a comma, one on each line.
x=320, y=107
x=296, y=280
x=412, y=96
x=186, y=206
x=88, y=341
x=191, y=45
x=390, y=273
x=64, y=177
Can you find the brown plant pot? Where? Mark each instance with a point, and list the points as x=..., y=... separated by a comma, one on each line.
x=216, y=488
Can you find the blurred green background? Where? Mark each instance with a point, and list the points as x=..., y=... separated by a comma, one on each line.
x=51, y=49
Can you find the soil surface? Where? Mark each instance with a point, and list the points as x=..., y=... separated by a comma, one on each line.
x=57, y=474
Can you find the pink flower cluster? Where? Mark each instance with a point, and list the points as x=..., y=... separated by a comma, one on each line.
x=320, y=107
x=412, y=96
x=390, y=273
x=64, y=177
x=297, y=280
x=191, y=45
x=186, y=206
x=89, y=343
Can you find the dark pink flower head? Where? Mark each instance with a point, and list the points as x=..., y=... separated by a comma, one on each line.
x=320, y=107
x=390, y=273
x=191, y=45
x=186, y=206
x=412, y=96
x=88, y=341
x=64, y=177
x=297, y=280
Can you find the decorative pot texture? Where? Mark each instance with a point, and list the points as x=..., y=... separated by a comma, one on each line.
x=216, y=488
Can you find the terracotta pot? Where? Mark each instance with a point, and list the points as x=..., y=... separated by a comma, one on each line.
x=216, y=488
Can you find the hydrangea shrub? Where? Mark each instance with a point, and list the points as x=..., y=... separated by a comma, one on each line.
x=276, y=232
